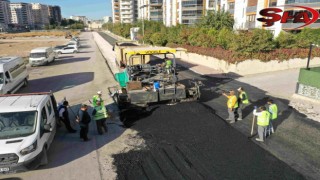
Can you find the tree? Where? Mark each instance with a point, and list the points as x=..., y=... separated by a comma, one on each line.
x=217, y=19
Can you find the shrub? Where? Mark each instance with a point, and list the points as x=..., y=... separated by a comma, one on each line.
x=286, y=40
x=159, y=39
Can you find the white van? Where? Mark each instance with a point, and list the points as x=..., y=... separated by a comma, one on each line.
x=13, y=74
x=27, y=128
x=42, y=56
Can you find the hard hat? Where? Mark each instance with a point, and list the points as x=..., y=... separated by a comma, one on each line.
x=99, y=92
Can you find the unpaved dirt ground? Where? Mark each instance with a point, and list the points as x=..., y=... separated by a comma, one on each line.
x=22, y=46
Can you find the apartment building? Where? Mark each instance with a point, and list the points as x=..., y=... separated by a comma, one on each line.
x=151, y=10
x=170, y=12
x=55, y=14
x=84, y=19
x=40, y=14
x=124, y=11
x=107, y=19
x=246, y=12
x=22, y=14
x=5, y=14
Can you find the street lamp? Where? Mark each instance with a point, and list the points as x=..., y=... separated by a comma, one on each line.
x=143, y=22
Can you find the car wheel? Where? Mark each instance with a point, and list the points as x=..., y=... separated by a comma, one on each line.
x=25, y=82
x=59, y=52
x=54, y=58
x=75, y=52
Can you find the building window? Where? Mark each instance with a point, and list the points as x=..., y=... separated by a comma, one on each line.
x=251, y=18
x=272, y=3
x=231, y=5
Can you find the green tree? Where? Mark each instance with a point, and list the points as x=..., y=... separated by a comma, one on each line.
x=217, y=19
x=159, y=39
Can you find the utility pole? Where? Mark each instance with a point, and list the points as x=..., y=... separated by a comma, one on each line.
x=143, y=21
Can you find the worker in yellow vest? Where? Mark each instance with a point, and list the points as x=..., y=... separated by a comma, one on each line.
x=97, y=97
x=232, y=104
x=273, y=109
x=263, y=121
x=100, y=115
x=243, y=100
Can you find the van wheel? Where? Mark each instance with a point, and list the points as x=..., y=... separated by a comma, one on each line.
x=44, y=158
x=25, y=82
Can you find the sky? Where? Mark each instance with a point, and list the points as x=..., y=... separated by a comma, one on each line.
x=93, y=9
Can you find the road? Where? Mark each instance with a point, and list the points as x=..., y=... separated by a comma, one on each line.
x=193, y=141
x=77, y=77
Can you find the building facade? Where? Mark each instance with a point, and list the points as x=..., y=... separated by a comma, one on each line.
x=124, y=11
x=5, y=15
x=40, y=15
x=22, y=14
x=84, y=19
x=55, y=14
x=107, y=19
x=246, y=12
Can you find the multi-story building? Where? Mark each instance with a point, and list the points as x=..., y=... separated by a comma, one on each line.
x=5, y=14
x=170, y=12
x=124, y=11
x=107, y=19
x=186, y=12
x=21, y=14
x=84, y=19
x=40, y=14
x=151, y=10
x=55, y=14
x=246, y=12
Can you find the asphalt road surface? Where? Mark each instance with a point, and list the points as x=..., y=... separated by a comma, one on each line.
x=77, y=77
x=193, y=141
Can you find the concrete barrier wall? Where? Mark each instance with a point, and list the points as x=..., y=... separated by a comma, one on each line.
x=106, y=50
x=245, y=67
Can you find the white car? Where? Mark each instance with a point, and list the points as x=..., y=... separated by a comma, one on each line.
x=67, y=50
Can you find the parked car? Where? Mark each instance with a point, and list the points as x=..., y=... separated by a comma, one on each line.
x=27, y=129
x=74, y=43
x=67, y=50
x=42, y=56
x=13, y=74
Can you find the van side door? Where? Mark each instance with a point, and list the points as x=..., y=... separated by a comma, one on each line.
x=43, y=136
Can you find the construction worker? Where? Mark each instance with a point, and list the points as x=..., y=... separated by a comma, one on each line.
x=263, y=121
x=84, y=119
x=100, y=115
x=168, y=66
x=243, y=100
x=273, y=110
x=232, y=105
x=97, y=97
x=64, y=116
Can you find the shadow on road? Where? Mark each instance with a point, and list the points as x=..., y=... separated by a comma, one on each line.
x=85, y=52
x=65, y=57
x=57, y=83
x=84, y=46
x=67, y=60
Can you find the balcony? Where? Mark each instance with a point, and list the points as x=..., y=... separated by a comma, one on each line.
x=312, y=5
x=231, y=11
x=251, y=9
x=288, y=26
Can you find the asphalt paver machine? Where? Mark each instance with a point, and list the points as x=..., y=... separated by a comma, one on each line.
x=149, y=76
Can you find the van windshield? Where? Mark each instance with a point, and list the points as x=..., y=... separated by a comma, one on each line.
x=37, y=55
x=17, y=124
x=1, y=78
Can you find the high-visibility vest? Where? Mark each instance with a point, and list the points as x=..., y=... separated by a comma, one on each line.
x=274, y=111
x=232, y=102
x=101, y=112
x=168, y=64
x=246, y=101
x=263, y=119
x=95, y=99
